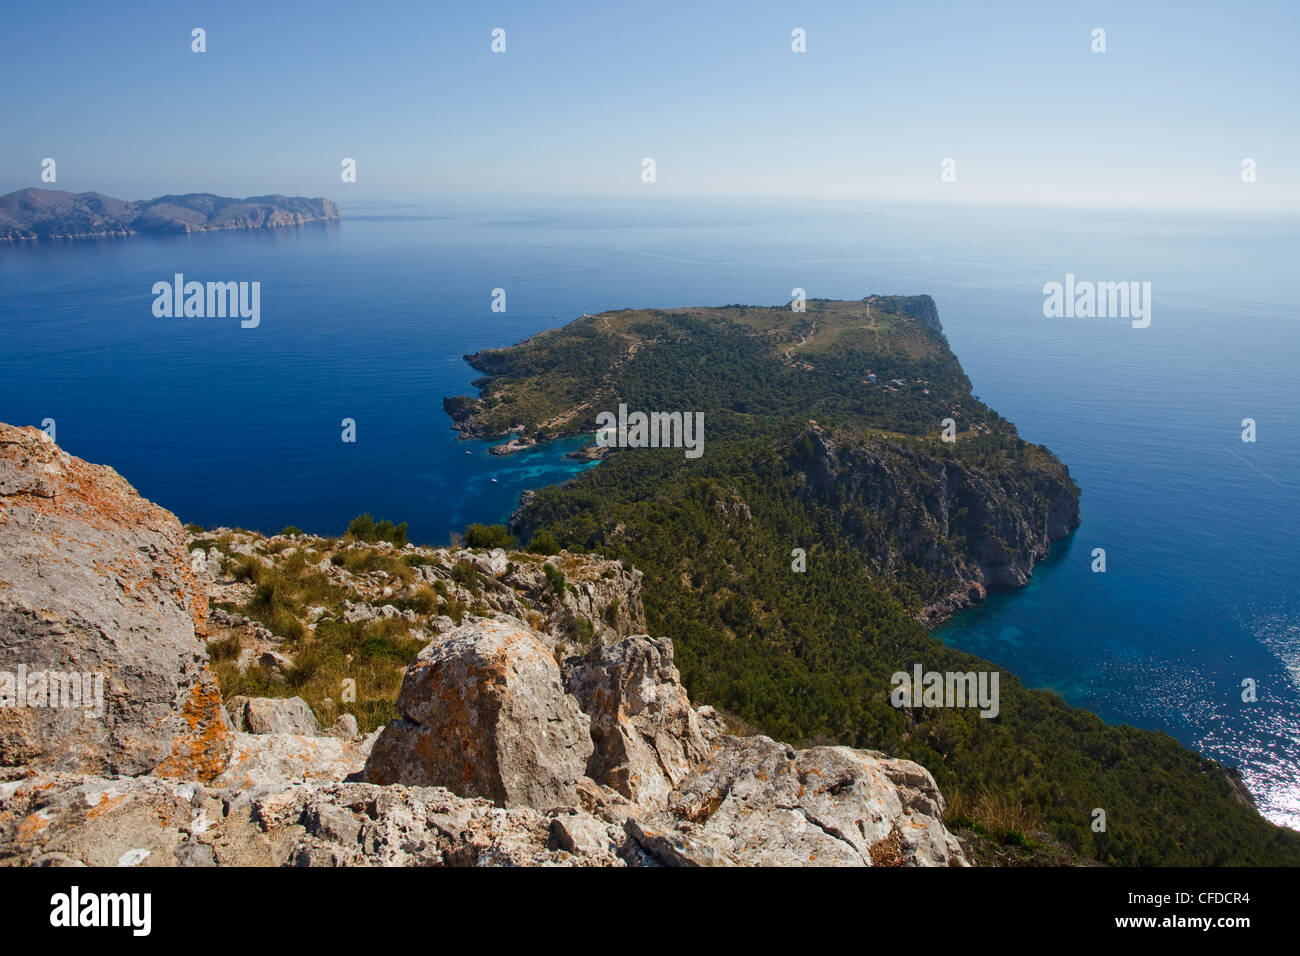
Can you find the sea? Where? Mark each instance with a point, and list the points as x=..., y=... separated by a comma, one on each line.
x=1194, y=626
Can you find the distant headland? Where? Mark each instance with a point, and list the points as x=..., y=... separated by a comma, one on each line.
x=57, y=214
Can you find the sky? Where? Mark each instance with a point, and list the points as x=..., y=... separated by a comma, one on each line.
x=712, y=92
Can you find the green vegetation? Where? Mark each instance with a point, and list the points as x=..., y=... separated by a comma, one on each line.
x=281, y=593
x=807, y=657
x=373, y=653
x=543, y=542
x=359, y=560
x=489, y=536
x=467, y=576
x=423, y=601
x=365, y=528
x=554, y=577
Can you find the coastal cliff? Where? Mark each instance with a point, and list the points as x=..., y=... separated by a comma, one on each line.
x=970, y=529
x=56, y=214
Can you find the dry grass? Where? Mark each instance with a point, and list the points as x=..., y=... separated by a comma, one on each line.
x=997, y=813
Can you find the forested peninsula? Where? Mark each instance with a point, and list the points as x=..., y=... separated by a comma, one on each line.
x=852, y=492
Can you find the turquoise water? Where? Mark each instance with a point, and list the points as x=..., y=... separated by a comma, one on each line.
x=369, y=318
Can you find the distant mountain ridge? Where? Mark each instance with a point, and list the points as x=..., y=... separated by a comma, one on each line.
x=58, y=214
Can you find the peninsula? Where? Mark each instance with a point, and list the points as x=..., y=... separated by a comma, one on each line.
x=850, y=397
x=56, y=214
x=852, y=493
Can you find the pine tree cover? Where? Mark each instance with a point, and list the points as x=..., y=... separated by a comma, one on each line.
x=808, y=656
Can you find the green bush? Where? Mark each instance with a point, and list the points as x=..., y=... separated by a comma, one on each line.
x=364, y=528
x=245, y=567
x=543, y=542
x=225, y=649
x=423, y=601
x=467, y=576
x=489, y=536
x=454, y=609
x=555, y=577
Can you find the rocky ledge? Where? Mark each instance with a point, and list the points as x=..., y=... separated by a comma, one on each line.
x=505, y=750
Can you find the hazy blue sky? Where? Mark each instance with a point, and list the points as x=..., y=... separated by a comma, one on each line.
x=711, y=91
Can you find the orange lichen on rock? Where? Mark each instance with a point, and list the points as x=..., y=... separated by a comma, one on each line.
x=202, y=750
x=98, y=583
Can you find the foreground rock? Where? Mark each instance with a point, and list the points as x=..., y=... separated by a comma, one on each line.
x=99, y=610
x=484, y=714
x=756, y=802
x=491, y=719
x=73, y=820
x=500, y=757
x=647, y=738
x=267, y=762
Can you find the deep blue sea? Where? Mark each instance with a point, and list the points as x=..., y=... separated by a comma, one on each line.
x=368, y=319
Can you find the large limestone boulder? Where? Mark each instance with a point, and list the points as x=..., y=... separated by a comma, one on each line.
x=647, y=738
x=484, y=714
x=100, y=616
x=756, y=802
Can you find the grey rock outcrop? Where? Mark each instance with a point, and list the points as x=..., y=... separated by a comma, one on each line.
x=756, y=802
x=98, y=601
x=270, y=762
x=647, y=738
x=73, y=820
x=345, y=726
x=601, y=602
x=484, y=714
